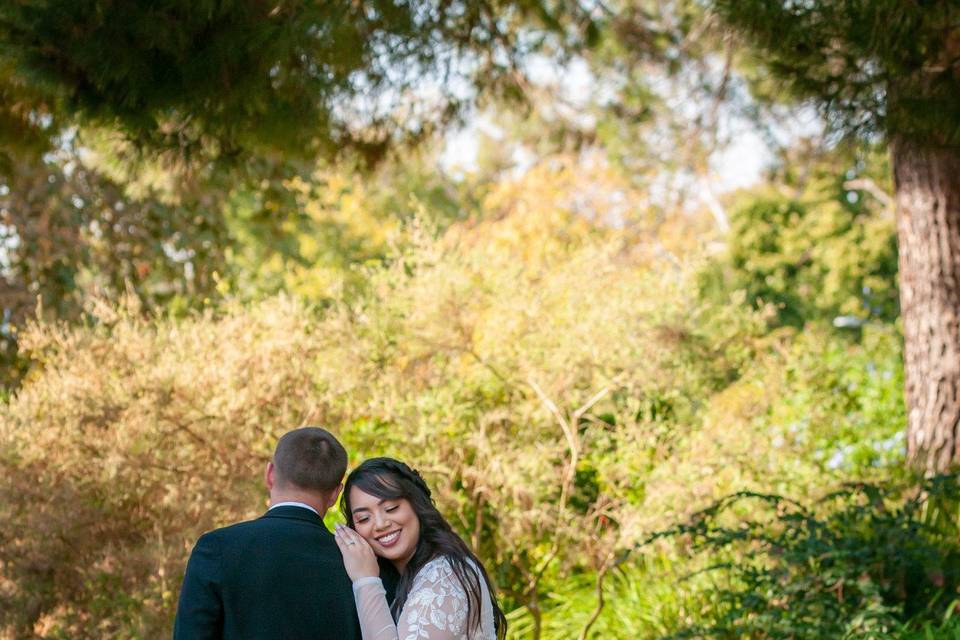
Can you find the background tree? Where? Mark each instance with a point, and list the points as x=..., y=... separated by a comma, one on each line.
x=883, y=68
x=307, y=78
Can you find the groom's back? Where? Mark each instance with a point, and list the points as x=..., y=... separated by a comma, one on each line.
x=279, y=577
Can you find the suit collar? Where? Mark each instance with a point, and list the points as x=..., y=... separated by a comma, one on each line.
x=294, y=513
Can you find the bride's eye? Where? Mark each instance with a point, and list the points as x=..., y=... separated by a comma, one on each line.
x=391, y=509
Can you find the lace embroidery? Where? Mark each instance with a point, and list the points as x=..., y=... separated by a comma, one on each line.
x=437, y=602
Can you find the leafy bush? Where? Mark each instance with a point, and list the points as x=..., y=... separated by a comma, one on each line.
x=811, y=246
x=126, y=441
x=640, y=597
x=868, y=561
x=812, y=411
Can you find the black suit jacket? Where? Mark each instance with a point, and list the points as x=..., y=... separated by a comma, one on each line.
x=279, y=577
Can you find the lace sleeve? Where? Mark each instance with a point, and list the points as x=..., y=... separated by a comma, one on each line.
x=376, y=623
x=436, y=608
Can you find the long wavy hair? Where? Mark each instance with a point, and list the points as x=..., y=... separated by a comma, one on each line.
x=391, y=479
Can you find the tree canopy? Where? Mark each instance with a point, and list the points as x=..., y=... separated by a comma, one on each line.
x=303, y=76
x=874, y=66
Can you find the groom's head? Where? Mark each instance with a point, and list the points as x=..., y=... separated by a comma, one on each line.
x=307, y=466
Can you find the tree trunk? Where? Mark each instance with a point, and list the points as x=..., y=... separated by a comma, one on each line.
x=928, y=228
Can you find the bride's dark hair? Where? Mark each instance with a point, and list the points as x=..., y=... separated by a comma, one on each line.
x=391, y=479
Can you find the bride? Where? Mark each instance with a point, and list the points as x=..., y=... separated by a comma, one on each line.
x=444, y=592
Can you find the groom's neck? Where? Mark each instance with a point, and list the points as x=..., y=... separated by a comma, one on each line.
x=317, y=502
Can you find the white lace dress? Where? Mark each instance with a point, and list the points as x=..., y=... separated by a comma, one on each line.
x=436, y=608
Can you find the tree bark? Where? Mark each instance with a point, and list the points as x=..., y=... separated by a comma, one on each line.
x=928, y=228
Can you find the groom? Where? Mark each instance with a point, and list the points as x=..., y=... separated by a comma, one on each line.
x=279, y=577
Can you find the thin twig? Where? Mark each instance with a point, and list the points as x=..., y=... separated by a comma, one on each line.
x=600, y=601
x=871, y=187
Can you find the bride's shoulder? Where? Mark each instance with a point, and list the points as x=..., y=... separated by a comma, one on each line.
x=437, y=578
x=437, y=567
x=440, y=569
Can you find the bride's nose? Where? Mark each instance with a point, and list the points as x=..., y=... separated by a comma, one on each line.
x=380, y=521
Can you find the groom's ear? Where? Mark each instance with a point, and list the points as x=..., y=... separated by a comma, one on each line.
x=335, y=494
x=269, y=476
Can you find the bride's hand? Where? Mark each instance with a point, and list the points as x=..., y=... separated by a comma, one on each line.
x=358, y=557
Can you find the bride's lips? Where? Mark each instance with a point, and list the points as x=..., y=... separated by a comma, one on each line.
x=389, y=539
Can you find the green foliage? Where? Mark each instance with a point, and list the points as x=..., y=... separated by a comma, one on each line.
x=842, y=405
x=641, y=602
x=949, y=630
x=308, y=78
x=84, y=226
x=310, y=233
x=876, y=66
x=815, y=247
x=24, y=122
x=862, y=563
x=72, y=236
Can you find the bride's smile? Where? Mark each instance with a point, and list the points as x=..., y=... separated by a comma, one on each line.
x=389, y=539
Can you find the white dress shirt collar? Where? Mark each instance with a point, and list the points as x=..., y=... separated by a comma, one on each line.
x=293, y=504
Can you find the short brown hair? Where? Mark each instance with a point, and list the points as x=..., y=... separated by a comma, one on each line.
x=309, y=458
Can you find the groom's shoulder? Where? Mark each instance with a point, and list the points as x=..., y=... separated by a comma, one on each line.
x=225, y=533
x=266, y=525
x=244, y=527
x=232, y=529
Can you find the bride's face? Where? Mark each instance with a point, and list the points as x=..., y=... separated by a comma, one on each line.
x=390, y=526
